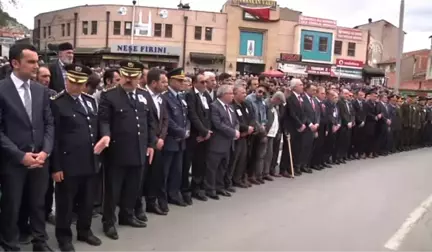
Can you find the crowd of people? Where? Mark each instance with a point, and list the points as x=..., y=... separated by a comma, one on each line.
x=148, y=138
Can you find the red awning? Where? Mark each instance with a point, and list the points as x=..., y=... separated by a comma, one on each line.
x=273, y=73
x=262, y=13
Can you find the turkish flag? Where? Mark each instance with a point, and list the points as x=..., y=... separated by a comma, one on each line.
x=262, y=13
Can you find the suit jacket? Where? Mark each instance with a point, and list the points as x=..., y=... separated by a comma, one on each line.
x=57, y=82
x=222, y=140
x=395, y=117
x=129, y=125
x=76, y=133
x=333, y=114
x=178, y=123
x=344, y=111
x=18, y=134
x=294, y=115
x=199, y=116
x=311, y=112
x=244, y=116
x=360, y=115
x=383, y=109
x=160, y=123
x=212, y=94
x=323, y=114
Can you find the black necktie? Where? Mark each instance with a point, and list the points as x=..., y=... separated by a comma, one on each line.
x=132, y=98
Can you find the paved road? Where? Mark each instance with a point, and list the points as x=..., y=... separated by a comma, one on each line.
x=357, y=206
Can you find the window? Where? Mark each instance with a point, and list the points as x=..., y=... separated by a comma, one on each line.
x=208, y=33
x=351, y=49
x=128, y=28
x=198, y=32
x=168, y=30
x=63, y=27
x=323, y=44
x=85, y=27
x=68, y=29
x=117, y=28
x=49, y=31
x=308, y=42
x=338, y=47
x=158, y=30
x=94, y=27
x=44, y=32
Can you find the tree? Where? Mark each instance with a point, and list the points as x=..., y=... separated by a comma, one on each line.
x=4, y=16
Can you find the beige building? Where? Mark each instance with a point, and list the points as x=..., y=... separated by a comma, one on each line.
x=162, y=36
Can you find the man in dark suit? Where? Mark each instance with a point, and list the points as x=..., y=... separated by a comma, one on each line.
x=157, y=83
x=313, y=118
x=198, y=103
x=384, y=124
x=343, y=141
x=295, y=124
x=74, y=163
x=175, y=142
x=333, y=127
x=26, y=136
x=57, y=69
x=358, y=130
x=225, y=130
x=317, y=159
x=211, y=84
x=396, y=123
x=127, y=130
x=372, y=117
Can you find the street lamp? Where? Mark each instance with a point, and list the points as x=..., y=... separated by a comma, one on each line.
x=400, y=46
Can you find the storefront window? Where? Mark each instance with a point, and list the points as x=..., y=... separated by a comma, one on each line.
x=308, y=42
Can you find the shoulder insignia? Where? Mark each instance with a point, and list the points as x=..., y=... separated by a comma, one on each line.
x=109, y=89
x=58, y=95
x=87, y=95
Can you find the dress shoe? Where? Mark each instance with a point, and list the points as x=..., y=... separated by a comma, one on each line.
x=297, y=173
x=306, y=170
x=247, y=183
x=140, y=215
x=275, y=175
x=25, y=238
x=154, y=208
x=200, y=195
x=285, y=174
x=342, y=161
x=261, y=181
x=240, y=184
x=253, y=181
x=231, y=189
x=66, y=247
x=316, y=167
x=187, y=198
x=212, y=196
x=51, y=219
x=163, y=205
x=325, y=165
x=90, y=239
x=268, y=178
x=110, y=231
x=177, y=201
x=132, y=222
x=41, y=247
x=223, y=193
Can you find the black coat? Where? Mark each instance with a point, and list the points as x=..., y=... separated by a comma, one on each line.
x=76, y=133
x=57, y=81
x=130, y=126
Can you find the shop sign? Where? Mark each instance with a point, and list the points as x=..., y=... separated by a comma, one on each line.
x=290, y=57
x=268, y=3
x=346, y=73
x=318, y=70
x=349, y=34
x=318, y=22
x=250, y=60
x=293, y=69
x=146, y=49
x=349, y=63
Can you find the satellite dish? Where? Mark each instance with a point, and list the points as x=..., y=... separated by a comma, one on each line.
x=122, y=11
x=163, y=14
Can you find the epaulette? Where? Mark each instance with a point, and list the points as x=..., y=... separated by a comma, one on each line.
x=109, y=89
x=58, y=95
x=88, y=95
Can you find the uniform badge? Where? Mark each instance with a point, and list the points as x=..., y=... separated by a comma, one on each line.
x=159, y=100
x=184, y=103
x=239, y=113
x=142, y=99
x=90, y=105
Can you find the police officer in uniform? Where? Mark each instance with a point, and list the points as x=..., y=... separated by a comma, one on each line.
x=75, y=166
x=126, y=129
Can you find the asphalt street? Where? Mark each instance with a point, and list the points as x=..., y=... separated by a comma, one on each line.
x=356, y=206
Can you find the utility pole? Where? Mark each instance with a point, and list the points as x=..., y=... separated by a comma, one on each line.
x=400, y=46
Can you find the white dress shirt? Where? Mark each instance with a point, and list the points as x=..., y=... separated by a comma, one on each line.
x=19, y=86
x=156, y=100
x=203, y=98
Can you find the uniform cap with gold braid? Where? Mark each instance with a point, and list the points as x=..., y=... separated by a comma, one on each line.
x=77, y=73
x=177, y=73
x=130, y=68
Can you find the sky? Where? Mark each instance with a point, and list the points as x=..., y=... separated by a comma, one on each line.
x=348, y=13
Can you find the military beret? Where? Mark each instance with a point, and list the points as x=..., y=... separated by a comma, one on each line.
x=130, y=68
x=65, y=46
x=177, y=73
x=77, y=73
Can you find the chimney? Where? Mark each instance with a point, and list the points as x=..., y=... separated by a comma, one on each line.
x=370, y=20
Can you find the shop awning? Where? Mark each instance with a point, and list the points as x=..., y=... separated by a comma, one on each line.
x=206, y=56
x=373, y=71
